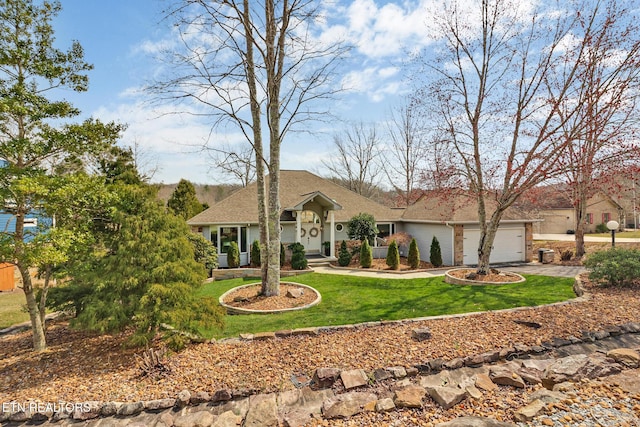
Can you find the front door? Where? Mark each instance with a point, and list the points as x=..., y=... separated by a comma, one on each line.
x=310, y=233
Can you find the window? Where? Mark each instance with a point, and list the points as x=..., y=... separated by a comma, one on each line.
x=243, y=239
x=589, y=219
x=31, y=222
x=339, y=227
x=606, y=217
x=385, y=230
x=227, y=235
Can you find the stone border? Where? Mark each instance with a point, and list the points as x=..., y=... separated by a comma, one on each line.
x=237, y=310
x=457, y=281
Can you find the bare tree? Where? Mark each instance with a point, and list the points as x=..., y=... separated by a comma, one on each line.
x=257, y=67
x=238, y=162
x=602, y=135
x=407, y=151
x=355, y=161
x=503, y=71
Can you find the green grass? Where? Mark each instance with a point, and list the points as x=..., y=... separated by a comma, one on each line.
x=348, y=300
x=11, y=309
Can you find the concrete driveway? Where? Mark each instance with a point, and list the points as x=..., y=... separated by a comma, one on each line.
x=572, y=238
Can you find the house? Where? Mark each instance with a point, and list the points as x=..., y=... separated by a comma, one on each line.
x=558, y=216
x=316, y=210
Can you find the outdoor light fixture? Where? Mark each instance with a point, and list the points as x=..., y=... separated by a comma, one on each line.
x=613, y=226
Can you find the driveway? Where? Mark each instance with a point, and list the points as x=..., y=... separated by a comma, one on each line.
x=572, y=238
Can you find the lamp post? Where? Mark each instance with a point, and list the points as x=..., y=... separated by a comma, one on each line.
x=613, y=226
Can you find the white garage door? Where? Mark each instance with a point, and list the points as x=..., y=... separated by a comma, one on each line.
x=508, y=246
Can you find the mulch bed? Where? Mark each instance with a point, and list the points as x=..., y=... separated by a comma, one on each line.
x=381, y=264
x=495, y=276
x=250, y=297
x=82, y=367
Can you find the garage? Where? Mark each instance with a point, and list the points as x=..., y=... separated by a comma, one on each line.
x=508, y=246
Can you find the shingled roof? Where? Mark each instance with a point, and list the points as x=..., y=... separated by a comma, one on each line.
x=295, y=187
x=455, y=207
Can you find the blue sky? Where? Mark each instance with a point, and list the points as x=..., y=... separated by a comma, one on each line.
x=118, y=35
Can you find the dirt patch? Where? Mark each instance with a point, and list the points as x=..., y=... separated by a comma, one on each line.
x=250, y=297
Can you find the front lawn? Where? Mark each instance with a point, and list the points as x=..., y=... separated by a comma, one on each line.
x=348, y=300
x=12, y=309
x=630, y=234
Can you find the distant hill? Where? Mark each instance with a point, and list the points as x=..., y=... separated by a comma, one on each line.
x=206, y=193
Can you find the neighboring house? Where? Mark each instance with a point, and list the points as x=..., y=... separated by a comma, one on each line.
x=315, y=210
x=558, y=215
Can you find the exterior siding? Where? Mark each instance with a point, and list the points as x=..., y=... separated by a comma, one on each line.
x=423, y=233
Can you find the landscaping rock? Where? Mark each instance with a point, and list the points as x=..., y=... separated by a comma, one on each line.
x=110, y=409
x=183, y=398
x=409, y=397
x=529, y=412
x=484, y=382
x=421, y=334
x=227, y=419
x=354, y=378
x=263, y=411
x=131, y=409
x=504, y=376
x=475, y=422
x=159, y=404
x=626, y=356
x=346, y=405
x=296, y=407
x=200, y=397
x=397, y=371
x=222, y=395
x=294, y=293
x=385, y=405
x=88, y=411
x=382, y=374
x=447, y=397
x=547, y=396
x=194, y=419
x=324, y=377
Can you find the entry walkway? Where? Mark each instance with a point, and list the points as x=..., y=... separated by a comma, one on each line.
x=531, y=268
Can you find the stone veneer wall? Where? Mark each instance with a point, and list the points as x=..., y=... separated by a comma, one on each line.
x=528, y=242
x=458, y=244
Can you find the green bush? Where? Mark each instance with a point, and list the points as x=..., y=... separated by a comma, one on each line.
x=362, y=227
x=233, y=256
x=344, y=256
x=602, y=228
x=615, y=267
x=566, y=255
x=204, y=251
x=393, y=256
x=298, y=260
x=255, y=254
x=414, y=254
x=435, y=255
x=366, y=255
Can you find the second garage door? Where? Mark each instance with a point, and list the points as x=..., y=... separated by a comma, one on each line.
x=508, y=246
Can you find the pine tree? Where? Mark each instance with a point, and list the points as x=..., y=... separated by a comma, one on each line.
x=344, y=256
x=183, y=201
x=37, y=131
x=255, y=254
x=414, y=254
x=233, y=255
x=435, y=255
x=147, y=277
x=366, y=255
x=393, y=256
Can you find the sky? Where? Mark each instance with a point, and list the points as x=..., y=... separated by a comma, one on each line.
x=119, y=36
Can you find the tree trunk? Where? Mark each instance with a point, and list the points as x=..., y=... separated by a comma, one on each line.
x=581, y=208
x=485, y=246
x=39, y=339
